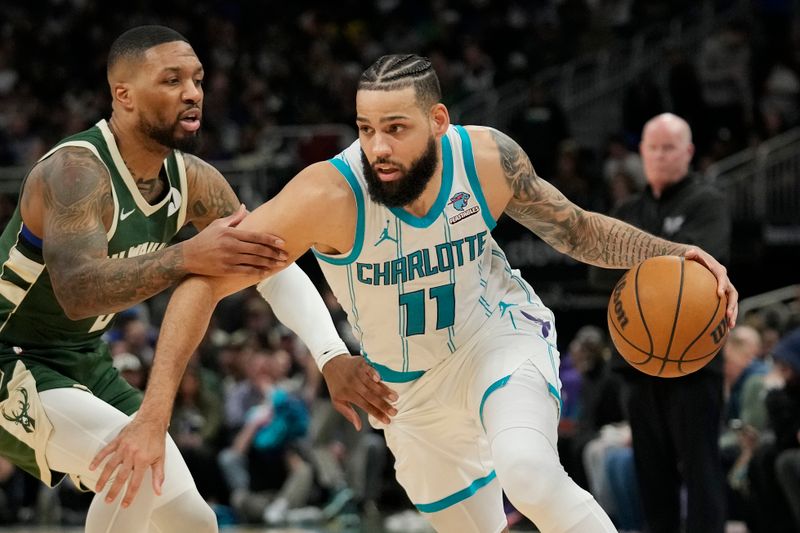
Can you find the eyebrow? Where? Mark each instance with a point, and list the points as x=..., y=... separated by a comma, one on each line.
x=177, y=70
x=390, y=118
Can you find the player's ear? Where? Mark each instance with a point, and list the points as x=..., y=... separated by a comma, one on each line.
x=121, y=93
x=440, y=119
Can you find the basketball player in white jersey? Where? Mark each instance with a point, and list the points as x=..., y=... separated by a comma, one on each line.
x=400, y=222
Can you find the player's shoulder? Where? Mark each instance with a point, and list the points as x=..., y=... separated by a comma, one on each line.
x=198, y=168
x=321, y=182
x=488, y=144
x=69, y=165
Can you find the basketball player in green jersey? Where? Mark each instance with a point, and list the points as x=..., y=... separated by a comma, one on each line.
x=401, y=219
x=89, y=239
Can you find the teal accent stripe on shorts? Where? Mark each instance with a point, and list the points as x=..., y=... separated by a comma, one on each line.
x=472, y=176
x=493, y=387
x=457, y=497
x=441, y=200
x=553, y=390
x=352, y=181
x=393, y=376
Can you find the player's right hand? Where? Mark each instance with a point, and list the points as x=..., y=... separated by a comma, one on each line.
x=223, y=249
x=351, y=380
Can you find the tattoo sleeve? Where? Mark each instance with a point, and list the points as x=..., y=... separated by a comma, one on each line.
x=75, y=190
x=584, y=235
x=211, y=197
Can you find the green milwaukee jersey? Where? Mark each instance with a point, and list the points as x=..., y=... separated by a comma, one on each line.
x=30, y=315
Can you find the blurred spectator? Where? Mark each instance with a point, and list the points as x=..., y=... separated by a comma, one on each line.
x=619, y=159
x=263, y=469
x=195, y=425
x=621, y=188
x=686, y=96
x=244, y=395
x=745, y=414
x=779, y=105
x=131, y=369
x=773, y=469
x=572, y=179
x=599, y=402
x=724, y=69
x=539, y=129
x=641, y=101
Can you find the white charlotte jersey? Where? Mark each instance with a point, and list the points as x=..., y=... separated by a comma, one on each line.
x=416, y=289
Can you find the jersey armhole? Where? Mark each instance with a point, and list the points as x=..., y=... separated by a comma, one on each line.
x=348, y=257
x=472, y=176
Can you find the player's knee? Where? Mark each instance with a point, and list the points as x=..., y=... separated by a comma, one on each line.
x=190, y=511
x=528, y=480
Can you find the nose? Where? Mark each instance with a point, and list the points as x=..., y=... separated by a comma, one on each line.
x=380, y=146
x=192, y=93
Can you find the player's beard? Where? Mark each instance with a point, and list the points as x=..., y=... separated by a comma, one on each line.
x=164, y=134
x=409, y=187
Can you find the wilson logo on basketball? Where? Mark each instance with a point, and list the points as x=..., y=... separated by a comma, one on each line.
x=718, y=333
x=622, y=318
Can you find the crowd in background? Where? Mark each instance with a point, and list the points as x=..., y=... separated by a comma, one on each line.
x=252, y=417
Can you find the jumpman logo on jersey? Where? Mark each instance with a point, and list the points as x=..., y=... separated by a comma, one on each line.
x=503, y=308
x=384, y=236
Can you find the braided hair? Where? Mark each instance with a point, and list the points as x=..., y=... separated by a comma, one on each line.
x=398, y=71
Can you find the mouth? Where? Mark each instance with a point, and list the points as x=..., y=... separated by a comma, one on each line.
x=387, y=172
x=190, y=120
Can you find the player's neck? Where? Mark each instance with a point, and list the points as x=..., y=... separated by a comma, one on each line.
x=143, y=157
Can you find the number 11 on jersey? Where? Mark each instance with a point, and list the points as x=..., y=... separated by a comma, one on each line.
x=414, y=304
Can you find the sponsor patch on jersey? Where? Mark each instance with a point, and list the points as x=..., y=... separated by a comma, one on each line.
x=460, y=202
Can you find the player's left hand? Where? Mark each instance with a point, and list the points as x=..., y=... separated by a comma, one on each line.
x=724, y=285
x=139, y=446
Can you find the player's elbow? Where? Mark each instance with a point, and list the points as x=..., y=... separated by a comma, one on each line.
x=73, y=308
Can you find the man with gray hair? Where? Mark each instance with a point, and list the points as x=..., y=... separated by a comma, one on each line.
x=675, y=422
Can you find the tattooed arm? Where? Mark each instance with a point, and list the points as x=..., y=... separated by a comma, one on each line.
x=584, y=235
x=210, y=195
x=66, y=198
x=67, y=201
x=589, y=237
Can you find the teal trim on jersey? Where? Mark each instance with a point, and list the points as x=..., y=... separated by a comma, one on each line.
x=404, y=317
x=500, y=383
x=393, y=376
x=520, y=281
x=472, y=176
x=441, y=200
x=553, y=390
x=352, y=181
x=451, y=344
x=353, y=307
x=457, y=497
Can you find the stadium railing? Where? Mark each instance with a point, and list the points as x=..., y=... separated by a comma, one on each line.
x=589, y=87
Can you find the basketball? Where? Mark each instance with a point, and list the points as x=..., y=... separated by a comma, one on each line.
x=665, y=317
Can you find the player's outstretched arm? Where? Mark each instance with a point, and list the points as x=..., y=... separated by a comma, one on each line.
x=65, y=201
x=140, y=445
x=585, y=235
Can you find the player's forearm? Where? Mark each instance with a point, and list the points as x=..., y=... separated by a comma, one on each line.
x=111, y=285
x=182, y=329
x=608, y=242
x=299, y=306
